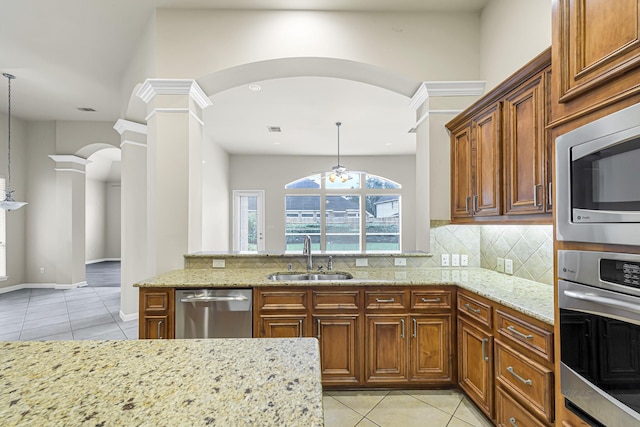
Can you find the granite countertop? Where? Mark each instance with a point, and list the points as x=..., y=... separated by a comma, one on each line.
x=531, y=298
x=220, y=382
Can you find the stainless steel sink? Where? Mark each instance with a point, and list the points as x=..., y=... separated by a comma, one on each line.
x=309, y=276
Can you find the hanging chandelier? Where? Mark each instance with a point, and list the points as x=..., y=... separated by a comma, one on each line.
x=8, y=203
x=339, y=171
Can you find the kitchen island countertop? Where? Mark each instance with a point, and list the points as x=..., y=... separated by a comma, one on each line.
x=220, y=382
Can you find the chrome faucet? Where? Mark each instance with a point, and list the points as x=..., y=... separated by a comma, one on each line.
x=306, y=250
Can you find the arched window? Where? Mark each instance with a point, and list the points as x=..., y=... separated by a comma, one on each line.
x=360, y=214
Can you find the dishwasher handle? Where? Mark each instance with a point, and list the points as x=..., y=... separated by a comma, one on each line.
x=215, y=299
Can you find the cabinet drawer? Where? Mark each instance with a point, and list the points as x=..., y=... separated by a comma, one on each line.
x=518, y=330
x=525, y=378
x=476, y=310
x=156, y=301
x=386, y=300
x=283, y=300
x=439, y=299
x=510, y=413
x=335, y=300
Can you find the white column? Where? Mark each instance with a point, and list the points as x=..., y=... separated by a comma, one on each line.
x=133, y=214
x=174, y=170
x=70, y=220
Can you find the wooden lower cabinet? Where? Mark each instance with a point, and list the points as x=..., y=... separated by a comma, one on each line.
x=157, y=310
x=340, y=349
x=510, y=413
x=386, y=349
x=475, y=365
x=430, y=349
x=287, y=326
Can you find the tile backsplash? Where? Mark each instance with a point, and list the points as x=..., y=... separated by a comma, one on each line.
x=529, y=246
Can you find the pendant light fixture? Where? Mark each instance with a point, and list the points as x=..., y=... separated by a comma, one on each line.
x=8, y=203
x=339, y=171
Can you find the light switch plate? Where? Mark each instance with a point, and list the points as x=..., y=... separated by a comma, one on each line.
x=444, y=260
x=219, y=263
x=400, y=262
x=500, y=265
x=464, y=260
x=508, y=266
x=455, y=260
x=362, y=262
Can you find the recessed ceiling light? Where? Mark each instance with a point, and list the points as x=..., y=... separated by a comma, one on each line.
x=397, y=29
x=274, y=129
x=387, y=144
x=276, y=143
x=255, y=87
x=86, y=109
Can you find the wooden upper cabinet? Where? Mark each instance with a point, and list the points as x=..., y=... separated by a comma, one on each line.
x=486, y=162
x=596, y=45
x=461, y=173
x=525, y=148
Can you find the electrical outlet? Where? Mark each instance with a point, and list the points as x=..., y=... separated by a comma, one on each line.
x=455, y=275
x=464, y=260
x=508, y=266
x=362, y=262
x=500, y=265
x=41, y=270
x=455, y=260
x=218, y=263
x=400, y=262
x=444, y=260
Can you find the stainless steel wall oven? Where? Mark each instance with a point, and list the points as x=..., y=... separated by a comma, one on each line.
x=599, y=302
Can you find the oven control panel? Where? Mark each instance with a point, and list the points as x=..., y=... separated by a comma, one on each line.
x=620, y=272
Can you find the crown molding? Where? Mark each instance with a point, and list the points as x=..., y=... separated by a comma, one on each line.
x=132, y=143
x=69, y=158
x=445, y=88
x=122, y=126
x=174, y=110
x=152, y=87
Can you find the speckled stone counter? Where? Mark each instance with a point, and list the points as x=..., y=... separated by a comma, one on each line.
x=531, y=298
x=220, y=382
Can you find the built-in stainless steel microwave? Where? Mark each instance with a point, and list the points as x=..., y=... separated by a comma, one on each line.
x=598, y=180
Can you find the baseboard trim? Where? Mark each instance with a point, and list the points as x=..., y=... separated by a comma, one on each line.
x=42, y=286
x=94, y=261
x=71, y=285
x=128, y=317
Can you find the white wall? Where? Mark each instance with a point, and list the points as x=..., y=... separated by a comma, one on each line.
x=113, y=220
x=216, y=198
x=96, y=222
x=272, y=173
x=512, y=33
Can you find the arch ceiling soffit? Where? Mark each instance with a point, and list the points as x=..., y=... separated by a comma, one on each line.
x=90, y=149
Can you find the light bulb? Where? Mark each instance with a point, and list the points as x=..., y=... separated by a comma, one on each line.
x=344, y=178
x=332, y=177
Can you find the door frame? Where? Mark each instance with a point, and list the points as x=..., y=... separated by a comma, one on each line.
x=235, y=234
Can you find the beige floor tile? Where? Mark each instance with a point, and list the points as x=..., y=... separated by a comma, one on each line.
x=338, y=415
x=366, y=423
x=446, y=400
x=455, y=422
x=469, y=413
x=361, y=401
x=400, y=409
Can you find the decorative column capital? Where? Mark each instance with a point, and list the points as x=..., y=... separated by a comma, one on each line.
x=122, y=126
x=69, y=163
x=152, y=87
x=445, y=88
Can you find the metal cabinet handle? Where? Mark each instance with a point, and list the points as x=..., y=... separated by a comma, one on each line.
x=512, y=372
x=386, y=300
x=160, y=322
x=475, y=204
x=513, y=422
x=300, y=330
x=466, y=204
x=550, y=193
x=402, y=331
x=215, y=299
x=513, y=329
x=535, y=194
x=475, y=310
x=318, y=334
x=431, y=300
x=484, y=351
x=415, y=327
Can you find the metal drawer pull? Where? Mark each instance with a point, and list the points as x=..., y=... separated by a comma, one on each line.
x=513, y=329
x=431, y=300
x=318, y=335
x=550, y=200
x=484, y=352
x=512, y=372
x=415, y=327
x=386, y=300
x=159, y=331
x=475, y=204
x=475, y=310
x=402, y=332
x=513, y=422
x=300, y=334
x=466, y=205
x=535, y=194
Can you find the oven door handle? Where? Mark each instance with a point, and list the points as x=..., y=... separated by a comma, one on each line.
x=603, y=300
x=215, y=299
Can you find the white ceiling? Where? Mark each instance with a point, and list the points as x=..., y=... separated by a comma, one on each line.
x=72, y=53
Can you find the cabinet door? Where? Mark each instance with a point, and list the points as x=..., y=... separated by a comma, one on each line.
x=524, y=137
x=475, y=365
x=386, y=349
x=549, y=154
x=430, y=349
x=155, y=327
x=290, y=326
x=338, y=338
x=487, y=163
x=157, y=307
x=461, y=173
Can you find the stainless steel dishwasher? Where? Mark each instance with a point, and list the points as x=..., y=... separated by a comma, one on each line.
x=214, y=313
